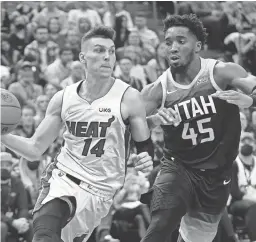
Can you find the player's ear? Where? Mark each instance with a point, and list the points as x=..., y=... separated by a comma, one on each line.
x=198, y=46
x=82, y=57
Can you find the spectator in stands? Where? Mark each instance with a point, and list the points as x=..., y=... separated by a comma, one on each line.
x=60, y=69
x=51, y=89
x=14, y=204
x=119, y=10
x=31, y=172
x=84, y=12
x=126, y=65
x=155, y=67
x=137, y=70
x=248, y=51
x=122, y=32
x=5, y=20
x=45, y=50
x=77, y=74
x=131, y=218
x=41, y=103
x=84, y=25
x=25, y=88
x=19, y=38
x=54, y=28
x=26, y=128
x=101, y=7
x=254, y=123
x=157, y=137
x=6, y=51
x=213, y=18
x=147, y=36
x=73, y=41
x=5, y=77
x=243, y=189
x=245, y=125
x=51, y=11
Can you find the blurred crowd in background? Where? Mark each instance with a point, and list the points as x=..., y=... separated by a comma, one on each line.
x=40, y=45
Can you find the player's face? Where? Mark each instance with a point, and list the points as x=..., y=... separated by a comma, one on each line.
x=99, y=56
x=182, y=46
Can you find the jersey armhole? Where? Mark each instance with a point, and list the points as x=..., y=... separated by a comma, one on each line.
x=164, y=89
x=124, y=123
x=213, y=82
x=62, y=101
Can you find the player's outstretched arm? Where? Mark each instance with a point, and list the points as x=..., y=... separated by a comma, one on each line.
x=152, y=98
x=134, y=111
x=235, y=76
x=32, y=148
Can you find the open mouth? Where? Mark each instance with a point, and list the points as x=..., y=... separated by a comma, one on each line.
x=174, y=58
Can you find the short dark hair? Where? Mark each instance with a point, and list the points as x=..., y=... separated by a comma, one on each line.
x=29, y=106
x=65, y=48
x=41, y=27
x=191, y=21
x=125, y=57
x=99, y=31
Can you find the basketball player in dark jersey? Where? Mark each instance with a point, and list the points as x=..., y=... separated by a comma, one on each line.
x=201, y=134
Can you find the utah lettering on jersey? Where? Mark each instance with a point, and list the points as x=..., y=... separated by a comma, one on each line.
x=93, y=129
x=195, y=107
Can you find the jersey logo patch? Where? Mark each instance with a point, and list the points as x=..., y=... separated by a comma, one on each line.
x=201, y=81
x=226, y=182
x=105, y=110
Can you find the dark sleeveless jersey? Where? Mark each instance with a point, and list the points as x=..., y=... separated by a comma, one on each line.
x=209, y=132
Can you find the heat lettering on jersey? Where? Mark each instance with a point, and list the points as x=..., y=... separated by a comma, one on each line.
x=194, y=107
x=93, y=129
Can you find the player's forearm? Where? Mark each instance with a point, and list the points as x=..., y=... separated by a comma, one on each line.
x=25, y=147
x=153, y=121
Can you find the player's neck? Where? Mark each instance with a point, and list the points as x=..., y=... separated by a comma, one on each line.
x=186, y=74
x=94, y=88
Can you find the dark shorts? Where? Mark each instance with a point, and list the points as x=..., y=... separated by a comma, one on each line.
x=205, y=191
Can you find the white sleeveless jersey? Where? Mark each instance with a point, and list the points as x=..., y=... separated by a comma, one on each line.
x=94, y=149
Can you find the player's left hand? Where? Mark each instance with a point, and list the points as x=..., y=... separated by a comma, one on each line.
x=240, y=99
x=142, y=162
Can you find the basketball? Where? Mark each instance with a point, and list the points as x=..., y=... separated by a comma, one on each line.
x=10, y=112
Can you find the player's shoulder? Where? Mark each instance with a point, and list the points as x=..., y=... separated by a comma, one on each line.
x=131, y=95
x=228, y=70
x=55, y=104
x=153, y=91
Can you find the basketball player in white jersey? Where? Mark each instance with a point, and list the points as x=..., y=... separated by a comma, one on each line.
x=201, y=133
x=78, y=188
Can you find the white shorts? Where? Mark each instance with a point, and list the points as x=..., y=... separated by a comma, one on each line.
x=198, y=226
x=91, y=204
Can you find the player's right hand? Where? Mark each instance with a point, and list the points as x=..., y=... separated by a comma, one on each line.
x=168, y=116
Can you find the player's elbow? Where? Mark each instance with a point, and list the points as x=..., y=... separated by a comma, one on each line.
x=36, y=151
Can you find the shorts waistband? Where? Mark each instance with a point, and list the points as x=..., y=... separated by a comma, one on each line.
x=89, y=188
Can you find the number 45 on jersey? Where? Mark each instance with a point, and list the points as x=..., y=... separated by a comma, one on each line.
x=189, y=133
